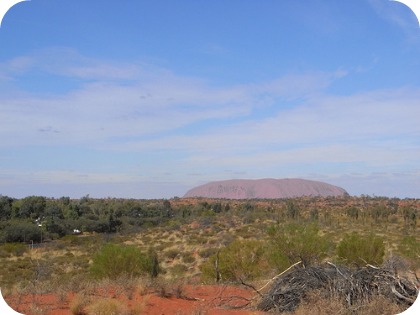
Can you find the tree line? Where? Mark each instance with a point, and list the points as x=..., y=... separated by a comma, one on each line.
x=37, y=218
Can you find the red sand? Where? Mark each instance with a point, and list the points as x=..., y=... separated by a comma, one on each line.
x=203, y=299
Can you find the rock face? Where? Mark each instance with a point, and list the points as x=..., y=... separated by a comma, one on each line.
x=265, y=189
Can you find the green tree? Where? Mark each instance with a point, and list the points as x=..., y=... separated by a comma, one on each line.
x=55, y=227
x=352, y=212
x=5, y=207
x=167, y=209
x=154, y=263
x=30, y=207
x=113, y=223
x=292, y=209
x=22, y=231
x=217, y=207
x=53, y=209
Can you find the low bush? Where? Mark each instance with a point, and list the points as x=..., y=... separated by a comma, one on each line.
x=358, y=250
x=171, y=253
x=296, y=242
x=77, y=304
x=107, y=307
x=239, y=261
x=207, y=252
x=15, y=249
x=188, y=258
x=113, y=261
x=409, y=247
x=179, y=270
x=22, y=231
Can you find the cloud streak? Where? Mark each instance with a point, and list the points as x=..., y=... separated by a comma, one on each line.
x=291, y=125
x=107, y=106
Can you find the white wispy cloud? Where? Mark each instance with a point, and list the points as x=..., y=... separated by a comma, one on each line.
x=260, y=129
x=106, y=105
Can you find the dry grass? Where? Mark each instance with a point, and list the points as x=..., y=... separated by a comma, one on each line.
x=78, y=304
x=138, y=307
x=107, y=307
x=317, y=304
x=191, y=244
x=381, y=305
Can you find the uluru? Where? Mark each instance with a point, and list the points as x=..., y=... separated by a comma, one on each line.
x=268, y=188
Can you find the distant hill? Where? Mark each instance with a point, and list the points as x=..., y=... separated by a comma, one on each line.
x=268, y=188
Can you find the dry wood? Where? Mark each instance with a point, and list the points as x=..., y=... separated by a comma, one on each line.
x=355, y=286
x=279, y=275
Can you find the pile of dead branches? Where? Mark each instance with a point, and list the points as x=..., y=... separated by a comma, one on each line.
x=352, y=285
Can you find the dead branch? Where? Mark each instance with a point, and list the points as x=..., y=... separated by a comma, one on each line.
x=279, y=275
x=251, y=286
x=356, y=286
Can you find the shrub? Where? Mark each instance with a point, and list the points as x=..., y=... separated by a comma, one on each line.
x=179, y=270
x=107, y=307
x=171, y=253
x=114, y=260
x=410, y=248
x=168, y=288
x=20, y=231
x=239, y=261
x=188, y=258
x=207, y=252
x=295, y=242
x=16, y=249
x=77, y=304
x=359, y=250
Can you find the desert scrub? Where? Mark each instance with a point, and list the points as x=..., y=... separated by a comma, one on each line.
x=107, y=307
x=197, y=240
x=78, y=303
x=239, y=261
x=13, y=249
x=19, y=271
x=171, y=253
x=188, y=258
x=296, y=242
x=178, y=270
x=207, y=252
x=358, y=250
x=409, y=247
x=113, y=261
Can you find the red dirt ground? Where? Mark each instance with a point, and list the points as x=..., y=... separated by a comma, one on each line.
x=202, y=299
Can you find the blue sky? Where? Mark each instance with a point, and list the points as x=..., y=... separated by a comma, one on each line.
x=146, y=99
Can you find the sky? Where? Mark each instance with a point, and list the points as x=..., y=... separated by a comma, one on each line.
x=147, y=99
